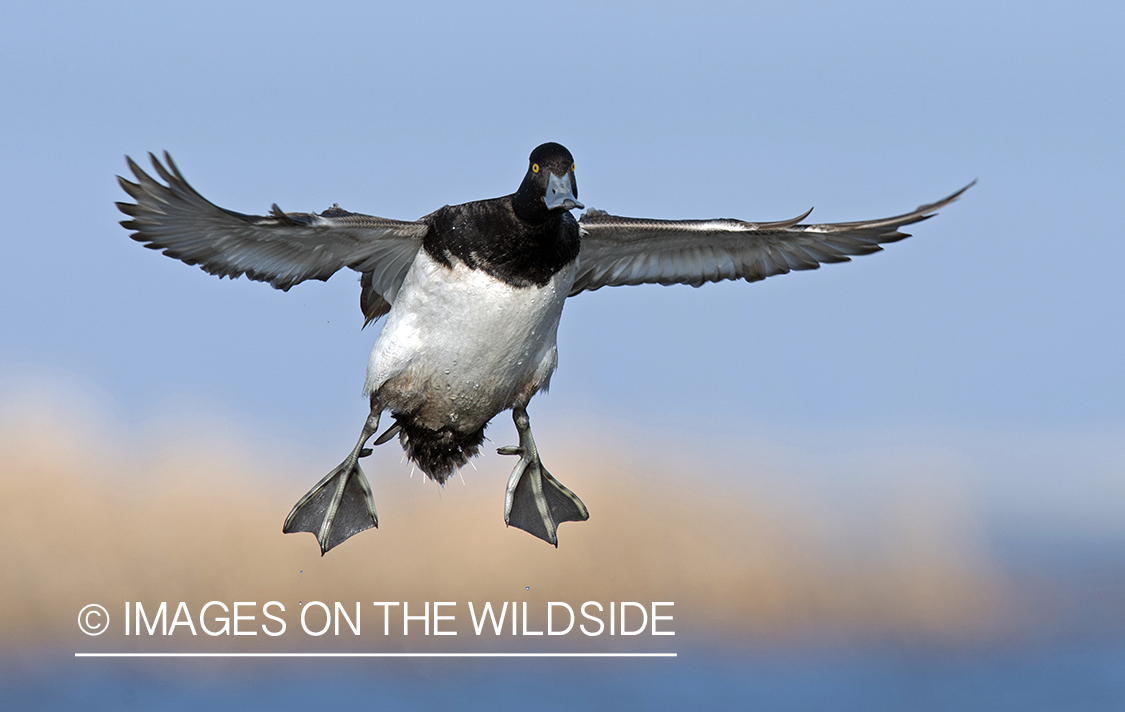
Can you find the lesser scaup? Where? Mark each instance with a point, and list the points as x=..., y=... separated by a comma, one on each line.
x=473, y=294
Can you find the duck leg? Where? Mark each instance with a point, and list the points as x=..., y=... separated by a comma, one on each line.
x=535, y=501
x=340, y=505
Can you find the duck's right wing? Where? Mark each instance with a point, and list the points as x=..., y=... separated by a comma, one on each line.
x=282, y=249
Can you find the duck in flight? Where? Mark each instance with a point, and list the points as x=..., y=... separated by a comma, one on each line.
x=472, y=296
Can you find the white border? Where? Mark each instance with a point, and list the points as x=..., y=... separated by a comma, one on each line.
x=375, y=655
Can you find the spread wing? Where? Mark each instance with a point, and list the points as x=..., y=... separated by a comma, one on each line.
x=618, y=251
x=280, y=248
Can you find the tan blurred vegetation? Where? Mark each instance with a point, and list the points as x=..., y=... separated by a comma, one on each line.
x=92, y=515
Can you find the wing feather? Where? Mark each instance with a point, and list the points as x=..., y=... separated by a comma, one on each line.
x=281, y=248
x=620, y=251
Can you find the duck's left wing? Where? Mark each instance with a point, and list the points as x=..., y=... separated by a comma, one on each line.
x=619, y=251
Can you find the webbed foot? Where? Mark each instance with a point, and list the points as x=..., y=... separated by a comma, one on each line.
x=340, y=505
x=535, y=501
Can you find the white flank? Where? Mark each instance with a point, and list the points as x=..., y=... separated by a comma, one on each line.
x=460, y=346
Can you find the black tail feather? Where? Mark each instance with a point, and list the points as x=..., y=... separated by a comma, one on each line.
x=438, y=453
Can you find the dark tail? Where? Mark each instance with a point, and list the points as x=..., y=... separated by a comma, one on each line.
x=438, y=453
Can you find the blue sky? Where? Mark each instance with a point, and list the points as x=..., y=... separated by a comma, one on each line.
x=998, y=323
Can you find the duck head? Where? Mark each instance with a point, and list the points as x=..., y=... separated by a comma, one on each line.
x=549, y=186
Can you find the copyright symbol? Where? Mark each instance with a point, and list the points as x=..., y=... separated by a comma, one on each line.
x=93, y=619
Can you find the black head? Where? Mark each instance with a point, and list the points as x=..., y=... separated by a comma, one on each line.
x=549, y=187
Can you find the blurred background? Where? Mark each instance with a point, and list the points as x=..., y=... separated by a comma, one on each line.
x=894, y=483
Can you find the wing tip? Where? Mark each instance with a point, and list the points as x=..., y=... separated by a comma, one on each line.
x=929, y=210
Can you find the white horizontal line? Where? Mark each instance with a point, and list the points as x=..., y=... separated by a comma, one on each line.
x=375, y=655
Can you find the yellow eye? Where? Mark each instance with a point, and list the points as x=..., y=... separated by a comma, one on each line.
x=534, y=167
x=571, y=167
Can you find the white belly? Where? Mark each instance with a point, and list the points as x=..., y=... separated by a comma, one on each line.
x=459, y=346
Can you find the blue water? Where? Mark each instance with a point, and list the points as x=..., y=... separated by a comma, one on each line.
x=1082, y=676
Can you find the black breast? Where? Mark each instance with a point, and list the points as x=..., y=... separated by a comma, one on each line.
x=489, y=236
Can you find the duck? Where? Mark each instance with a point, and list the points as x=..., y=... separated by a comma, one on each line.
x=472, y=296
